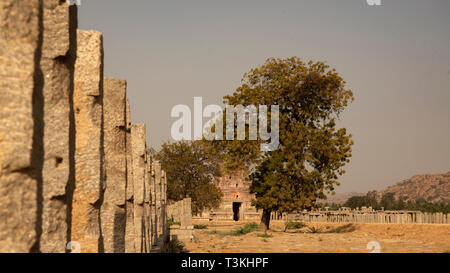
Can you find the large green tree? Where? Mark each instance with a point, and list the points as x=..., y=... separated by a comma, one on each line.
x=312, y=151
x=190, y=171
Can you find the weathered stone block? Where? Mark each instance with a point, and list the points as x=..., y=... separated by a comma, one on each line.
x=181, y=212
x=89, y=167
x=158, y=179
x=147, y=206
x=57, y=64
x=152, y=190
x=138, y=146
x=129, y=227
x=112, y=212
x=21, y=122
x=156, y=176
x=164, y=202
x=129, y=155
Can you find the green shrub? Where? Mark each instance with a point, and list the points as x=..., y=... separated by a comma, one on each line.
x=250, y=227
x=200, y=226
x=294, y=225
x=171, y=222
x=315, y=230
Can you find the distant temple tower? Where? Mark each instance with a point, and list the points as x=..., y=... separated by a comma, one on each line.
x=236, y=200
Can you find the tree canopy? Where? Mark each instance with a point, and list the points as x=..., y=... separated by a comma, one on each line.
x=387, y=201
x=368, y=200
x=312, y=150
x=190, y=171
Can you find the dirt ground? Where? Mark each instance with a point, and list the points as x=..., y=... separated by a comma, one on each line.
x=387, y=238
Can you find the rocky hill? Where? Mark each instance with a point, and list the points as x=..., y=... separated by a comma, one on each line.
x=431, y=187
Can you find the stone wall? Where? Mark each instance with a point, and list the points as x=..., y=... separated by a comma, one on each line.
x=180, y=213
x=75, y=174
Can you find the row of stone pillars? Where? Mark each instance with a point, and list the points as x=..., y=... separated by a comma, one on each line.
x=72, y=166
x=384, y=217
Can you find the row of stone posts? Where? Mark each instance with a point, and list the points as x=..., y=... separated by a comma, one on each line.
x=370, y=216
x=74, y=171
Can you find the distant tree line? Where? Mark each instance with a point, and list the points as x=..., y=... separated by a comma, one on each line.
x=389, y=202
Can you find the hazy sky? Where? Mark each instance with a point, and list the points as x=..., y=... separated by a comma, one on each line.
x=395, y=57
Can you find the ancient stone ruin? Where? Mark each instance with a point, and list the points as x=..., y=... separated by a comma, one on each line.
x=236, y=205
x=180, y=215
x=236, y=201
x=368, y=215
x=75, y=174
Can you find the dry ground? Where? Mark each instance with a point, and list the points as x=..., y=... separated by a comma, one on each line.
x=391, y=238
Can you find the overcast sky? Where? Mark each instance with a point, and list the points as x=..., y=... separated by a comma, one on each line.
x=395, y=57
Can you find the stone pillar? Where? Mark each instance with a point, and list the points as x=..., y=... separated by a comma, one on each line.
x=138, y=158
x=187, y=213
x=57, y=65
x=21, y=122
x=147, y=212
x=129, y=227
x=112, y=211
x=89, y=167
x=158, y=198
x=164, y=202
x=148, y=201
x=153, y=202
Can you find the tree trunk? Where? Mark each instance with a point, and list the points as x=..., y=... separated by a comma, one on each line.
x=265, y=220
